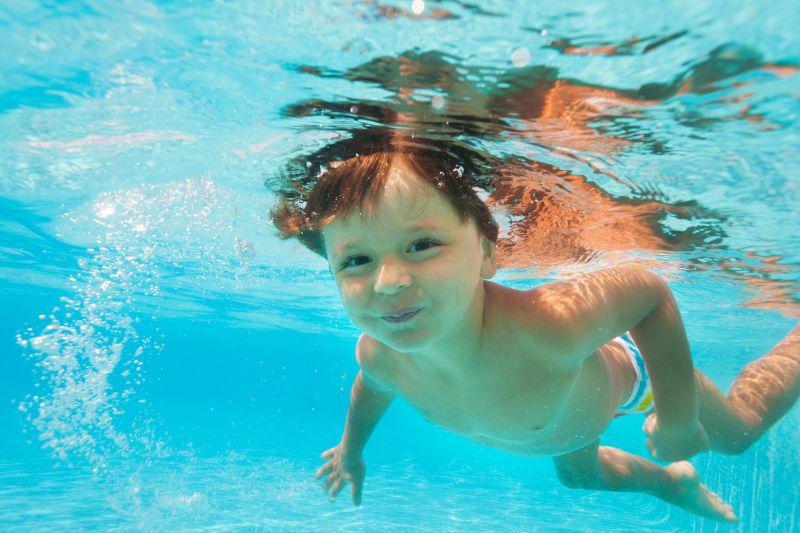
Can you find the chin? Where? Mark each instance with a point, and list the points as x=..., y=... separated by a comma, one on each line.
x=402, y=341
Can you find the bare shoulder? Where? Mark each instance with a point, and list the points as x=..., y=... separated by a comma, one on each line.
x=524, y=319
x=369, y=352
x=564, y=302
x=581, y=313
x=375, y=360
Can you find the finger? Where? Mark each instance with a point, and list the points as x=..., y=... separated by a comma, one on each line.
x=649, y=425
x=323, y=469
x=337, y=486
x=329, y=480
x=327, y=454
x=357, y=489
x=652, y=448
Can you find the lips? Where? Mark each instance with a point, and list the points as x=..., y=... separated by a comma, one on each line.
x=401, y=315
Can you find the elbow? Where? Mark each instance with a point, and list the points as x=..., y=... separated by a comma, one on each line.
x=664, y=306
x=656, y=286
x=657, y=302
x=649, y=284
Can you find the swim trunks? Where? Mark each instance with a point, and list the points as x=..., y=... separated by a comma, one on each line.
x=641, y=399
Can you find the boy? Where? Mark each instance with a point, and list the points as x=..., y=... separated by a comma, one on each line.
x=538, y=372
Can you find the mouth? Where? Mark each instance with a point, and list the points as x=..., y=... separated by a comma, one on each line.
x=403, y=315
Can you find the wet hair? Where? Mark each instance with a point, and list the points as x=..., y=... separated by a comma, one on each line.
x=349, y=175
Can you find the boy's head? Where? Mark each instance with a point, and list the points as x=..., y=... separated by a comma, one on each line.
x=408, y=269
x=403, y=233
x=349, y=177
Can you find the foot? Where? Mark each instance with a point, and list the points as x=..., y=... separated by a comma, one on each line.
x=695, y=497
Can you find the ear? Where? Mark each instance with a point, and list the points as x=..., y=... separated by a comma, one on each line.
x=489, y=263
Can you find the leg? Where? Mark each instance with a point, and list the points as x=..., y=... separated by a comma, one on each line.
x=606, y=468
x=762, y=393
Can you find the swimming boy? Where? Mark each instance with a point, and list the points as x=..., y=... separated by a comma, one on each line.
x=539, y=372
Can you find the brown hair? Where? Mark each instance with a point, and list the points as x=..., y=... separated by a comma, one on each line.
x=350, y=174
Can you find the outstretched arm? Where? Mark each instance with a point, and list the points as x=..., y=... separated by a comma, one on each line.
x=368, y=403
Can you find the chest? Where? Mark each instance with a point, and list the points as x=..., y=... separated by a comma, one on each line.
x=502, y=397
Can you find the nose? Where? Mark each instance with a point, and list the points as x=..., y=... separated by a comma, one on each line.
x=392, y=277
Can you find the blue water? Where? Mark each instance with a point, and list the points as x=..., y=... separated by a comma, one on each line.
x=169, y=363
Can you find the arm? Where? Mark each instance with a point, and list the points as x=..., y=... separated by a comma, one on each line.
x=674, y=430
x=591, y=310
x=368, y=402
x=369, y=398
x=345, y=463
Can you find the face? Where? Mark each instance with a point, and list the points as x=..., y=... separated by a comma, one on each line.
x=408, y=271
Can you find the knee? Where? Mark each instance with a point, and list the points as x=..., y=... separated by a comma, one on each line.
x=734, y=441
x=577, y=480
x=738, y=445
x=568, y=478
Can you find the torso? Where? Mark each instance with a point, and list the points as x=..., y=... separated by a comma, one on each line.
x=511, y=398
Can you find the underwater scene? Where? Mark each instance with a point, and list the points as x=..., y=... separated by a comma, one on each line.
x=176, y=350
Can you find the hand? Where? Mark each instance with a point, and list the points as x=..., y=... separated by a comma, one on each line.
x=341, y=470
x=674, y=443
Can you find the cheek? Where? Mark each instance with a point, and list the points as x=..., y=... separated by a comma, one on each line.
x=453, y=291
x=351, y=292
x=464, y=285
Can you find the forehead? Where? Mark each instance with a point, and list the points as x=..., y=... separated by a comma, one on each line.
x=406, y=203
x=405, y=194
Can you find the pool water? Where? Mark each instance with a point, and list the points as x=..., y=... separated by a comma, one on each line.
x=169, y=363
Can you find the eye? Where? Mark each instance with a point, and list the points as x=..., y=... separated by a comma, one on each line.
x=426, y=244
x=354, y=261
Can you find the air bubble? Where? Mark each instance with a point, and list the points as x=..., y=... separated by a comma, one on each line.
x=520, y=57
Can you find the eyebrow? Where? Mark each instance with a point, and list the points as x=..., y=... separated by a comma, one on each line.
x=410, y=229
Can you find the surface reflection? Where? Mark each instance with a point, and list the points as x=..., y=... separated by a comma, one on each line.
x=553, y=145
